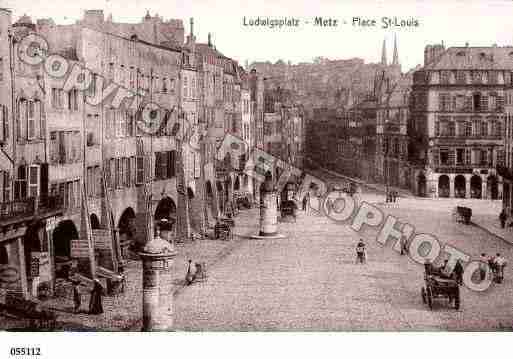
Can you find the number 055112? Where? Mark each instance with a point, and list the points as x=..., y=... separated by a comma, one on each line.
x=25, y=351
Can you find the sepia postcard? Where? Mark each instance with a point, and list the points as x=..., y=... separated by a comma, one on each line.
x=255, y=166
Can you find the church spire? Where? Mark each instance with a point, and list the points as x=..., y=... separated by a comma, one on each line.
x=396, y=56
x=384, y=53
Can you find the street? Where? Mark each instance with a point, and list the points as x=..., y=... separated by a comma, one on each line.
x=310, y=281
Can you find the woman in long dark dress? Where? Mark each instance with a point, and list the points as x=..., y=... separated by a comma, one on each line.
x=95, y=305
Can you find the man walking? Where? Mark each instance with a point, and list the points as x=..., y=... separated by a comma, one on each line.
x=458, y=272
x=500, y=263
x=502, y=218
x=95, y=304
x=77, y=299
x=305, y=201
x=483, y=266
x=361, y=253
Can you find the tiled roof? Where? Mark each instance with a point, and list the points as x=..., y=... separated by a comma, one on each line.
x=474, y=58
x=207, y=50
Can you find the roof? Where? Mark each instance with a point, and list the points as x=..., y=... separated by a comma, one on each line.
x=207, y=50
x=474, y=58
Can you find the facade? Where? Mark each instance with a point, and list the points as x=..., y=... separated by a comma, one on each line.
x=458, y=120
x=81, y=181
x=283, y=126
x=391, y=142
x=349, y=135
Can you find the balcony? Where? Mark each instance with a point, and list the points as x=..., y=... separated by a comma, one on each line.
x=26, y=209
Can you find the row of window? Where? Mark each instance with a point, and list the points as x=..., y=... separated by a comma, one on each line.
x=465, y=77
x=65, y=100
x=477, y=102
x=69, y=191
x=124, y=172
x=480, y=128
x=467, y=156
x=65, y=147
x=132, y=79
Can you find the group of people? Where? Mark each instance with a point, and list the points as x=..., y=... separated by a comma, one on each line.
x=496, y=265
x=391, y=196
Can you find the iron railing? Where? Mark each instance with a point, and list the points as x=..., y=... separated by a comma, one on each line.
x=28, y=207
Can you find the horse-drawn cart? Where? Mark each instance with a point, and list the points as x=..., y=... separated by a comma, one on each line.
x=439, y=287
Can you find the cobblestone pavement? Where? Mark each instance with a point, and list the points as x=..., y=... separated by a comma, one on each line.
x=310, y=281
x=124, y=311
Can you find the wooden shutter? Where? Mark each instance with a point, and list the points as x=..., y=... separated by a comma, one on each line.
x=43, y=181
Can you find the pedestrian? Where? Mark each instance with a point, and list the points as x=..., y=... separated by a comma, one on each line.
x=95, y=304
x=305, y=201
x=428, y=267
x=361, y=253
x=483, y=266
x=404, y=245
x=77, y=298
x=500, y=263
x=191, y=274
x=502, y=218
x=458, y=272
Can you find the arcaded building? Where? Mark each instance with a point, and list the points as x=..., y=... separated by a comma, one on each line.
x=458, y=120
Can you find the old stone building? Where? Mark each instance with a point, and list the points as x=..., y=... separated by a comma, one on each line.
x=458, y=120
x=83, y=171
x=26, y=206
x=283, y=126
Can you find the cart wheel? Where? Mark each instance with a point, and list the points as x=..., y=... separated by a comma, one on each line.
x=429, y=298
x=423, y=294
x=457, y=300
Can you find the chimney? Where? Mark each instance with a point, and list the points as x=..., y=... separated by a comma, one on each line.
x=209, y=40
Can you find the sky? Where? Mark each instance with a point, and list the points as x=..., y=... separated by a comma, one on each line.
x=455, y=22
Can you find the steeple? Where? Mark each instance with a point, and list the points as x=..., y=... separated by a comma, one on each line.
x=191, y=39
x=396, y=56
x=384, y=53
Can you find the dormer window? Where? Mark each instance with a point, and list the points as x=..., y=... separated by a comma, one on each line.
x=460, y=53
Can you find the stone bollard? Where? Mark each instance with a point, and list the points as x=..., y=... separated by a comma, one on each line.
x=268, y=210
x=157, y=256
